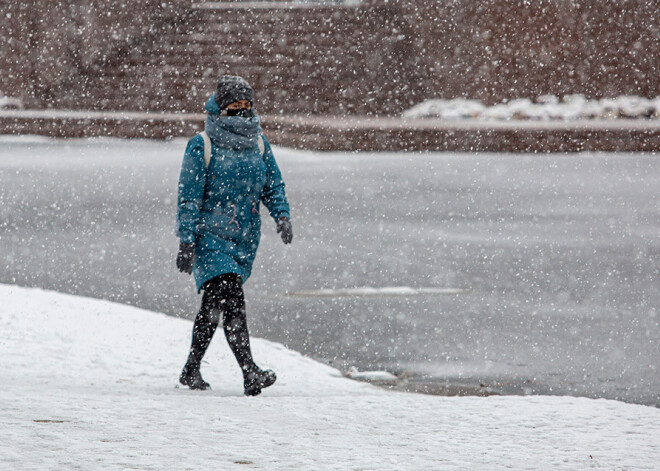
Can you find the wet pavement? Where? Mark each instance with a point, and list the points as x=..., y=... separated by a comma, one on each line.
x=554, y=258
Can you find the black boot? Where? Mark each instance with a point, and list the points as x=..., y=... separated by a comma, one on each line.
x=238, y=338
x=256, y=380
x=203, y=330
x=191, y=377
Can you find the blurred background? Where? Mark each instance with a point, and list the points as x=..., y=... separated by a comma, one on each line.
x=370, y=58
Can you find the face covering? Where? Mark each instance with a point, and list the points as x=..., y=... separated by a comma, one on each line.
x=242, y=112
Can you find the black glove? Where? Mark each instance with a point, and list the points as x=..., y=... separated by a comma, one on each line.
x=184, y=261
x=284, y=226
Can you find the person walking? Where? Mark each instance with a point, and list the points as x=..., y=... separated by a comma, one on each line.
x=227, y=172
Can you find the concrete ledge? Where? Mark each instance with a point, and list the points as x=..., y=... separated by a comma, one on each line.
x=357, y=133
x=391, y=134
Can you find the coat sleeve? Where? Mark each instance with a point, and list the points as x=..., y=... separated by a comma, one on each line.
x=192, y=181
x=273, y=195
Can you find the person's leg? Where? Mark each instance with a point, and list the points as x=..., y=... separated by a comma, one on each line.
x=238, y=337
x=235, y=322
x=206, y=322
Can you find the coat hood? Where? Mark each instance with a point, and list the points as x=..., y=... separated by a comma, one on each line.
x=211, y=105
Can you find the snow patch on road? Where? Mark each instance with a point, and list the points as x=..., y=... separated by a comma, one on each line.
x=369, y=291
x=90, y=384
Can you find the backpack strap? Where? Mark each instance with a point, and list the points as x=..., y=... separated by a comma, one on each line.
x=207, y=147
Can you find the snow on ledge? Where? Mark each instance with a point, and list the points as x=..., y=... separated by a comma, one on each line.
x=544, y=108
x=90, y=384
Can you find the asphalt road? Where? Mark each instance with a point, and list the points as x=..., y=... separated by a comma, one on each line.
x=558, y=257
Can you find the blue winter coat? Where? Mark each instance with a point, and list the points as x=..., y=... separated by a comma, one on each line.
x=218, y=207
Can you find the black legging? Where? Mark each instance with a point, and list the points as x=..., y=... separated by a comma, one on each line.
x=223, y=298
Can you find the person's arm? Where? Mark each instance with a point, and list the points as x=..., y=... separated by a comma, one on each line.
x=192, y=181
x=273, y=195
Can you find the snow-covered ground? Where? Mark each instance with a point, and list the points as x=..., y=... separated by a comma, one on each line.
x=90, y=384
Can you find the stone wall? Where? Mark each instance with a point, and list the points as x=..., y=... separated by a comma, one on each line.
x=497, y=49
x=76, y=53
x=378, y=58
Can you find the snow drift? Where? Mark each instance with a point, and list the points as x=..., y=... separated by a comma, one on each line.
x=544, y=108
